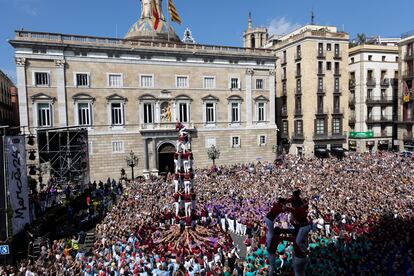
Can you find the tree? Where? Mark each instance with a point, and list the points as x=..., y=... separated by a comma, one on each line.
x=213, y=154
x=361, y=39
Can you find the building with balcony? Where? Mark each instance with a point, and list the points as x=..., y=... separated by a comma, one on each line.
x=373, y=90
x=129, y=93
x=405, y=97
x=311, y=78
x=9, y=109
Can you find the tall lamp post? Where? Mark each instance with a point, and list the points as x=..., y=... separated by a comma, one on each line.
x=213, y=153
x=132, y=161
x=274, y=150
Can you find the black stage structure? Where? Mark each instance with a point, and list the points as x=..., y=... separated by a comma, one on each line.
x=66, y=153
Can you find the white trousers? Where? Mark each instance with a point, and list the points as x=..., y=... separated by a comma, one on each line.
x=223, y=224
x=186, y=164
x=231, y=224
x=187, y=209
x=187, y=186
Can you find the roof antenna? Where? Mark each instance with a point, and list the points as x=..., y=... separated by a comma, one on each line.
x=312, y=18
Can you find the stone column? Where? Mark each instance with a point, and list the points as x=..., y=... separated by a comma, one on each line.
x=22, y=91
x=61, y=92
x=146, y=159
x=153, y=160
x=272, y=96
x=249, y=106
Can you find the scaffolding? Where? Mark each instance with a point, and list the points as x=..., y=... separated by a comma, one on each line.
x=66, y=153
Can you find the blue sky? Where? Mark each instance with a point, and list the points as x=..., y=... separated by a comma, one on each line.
x=212, y=21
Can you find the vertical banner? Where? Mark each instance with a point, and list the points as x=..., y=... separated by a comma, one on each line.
x=3, y=196
x=17, y=181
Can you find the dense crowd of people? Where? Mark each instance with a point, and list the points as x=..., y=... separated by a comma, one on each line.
x=363, y=204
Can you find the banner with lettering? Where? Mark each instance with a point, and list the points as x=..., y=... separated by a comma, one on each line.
x=17, y=181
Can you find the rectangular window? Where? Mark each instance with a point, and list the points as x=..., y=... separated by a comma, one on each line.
x=259, y=84
x=235, y=141
x=234, y=83
x=115, y=80
x=261, y=112
x=235, y=113
x=320, y=84
x=209, y=82
x=184, y=116
x=299, y=127
x=210, y=113
x=84, y=114
x=41, y=79
x=336, y=126
x=337, y=104
x=336, y=84
x=44, y=115
x=328, y=47
x=147, y=81
x=182, y=82
x=329, y=66
x=337, y=49
x=285, y=127
x=148, y=113
x=320, y=126
x=262, y=140
x=320, y=49
x=117, y=116
x=82, y=80
x=117, y=147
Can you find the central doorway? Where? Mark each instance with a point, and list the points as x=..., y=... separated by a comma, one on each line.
x=166, y=158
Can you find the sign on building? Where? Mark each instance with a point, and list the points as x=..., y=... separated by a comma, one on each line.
x=4, y=249
x=17, y=181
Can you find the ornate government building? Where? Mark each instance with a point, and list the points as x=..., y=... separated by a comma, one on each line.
x=129, y=93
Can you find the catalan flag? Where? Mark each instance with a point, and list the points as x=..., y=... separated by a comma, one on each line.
x=155, y=15
x=173, y=12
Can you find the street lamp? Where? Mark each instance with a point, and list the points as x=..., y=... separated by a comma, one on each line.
x=213, y=154
x=275, y=149
x=132, y=161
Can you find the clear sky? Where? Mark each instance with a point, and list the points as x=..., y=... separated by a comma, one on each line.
x=218, y=22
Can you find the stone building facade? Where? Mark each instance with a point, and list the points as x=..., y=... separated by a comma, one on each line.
x=405, y=97
x=373, y=87
x=129, y=93
x=312, y=79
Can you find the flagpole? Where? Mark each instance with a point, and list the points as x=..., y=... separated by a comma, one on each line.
x=169, y=21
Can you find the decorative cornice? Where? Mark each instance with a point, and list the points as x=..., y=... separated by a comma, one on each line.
x=235, y=98
x=250, y=71
x=261, y=98
x=20, y=61
x=116, y=97
x=42, y=97
x=60, y=63
x=83, y=96
x=210, y=98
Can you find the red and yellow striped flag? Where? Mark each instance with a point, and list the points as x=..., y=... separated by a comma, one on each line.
x=173, y=12
x=155, y=15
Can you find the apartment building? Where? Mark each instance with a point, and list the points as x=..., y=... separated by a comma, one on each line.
x=373, y=94
x=405, y=99
x=9, y=114
x=311, y=81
